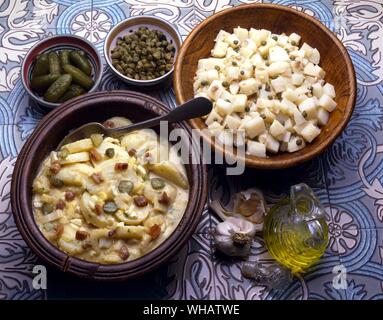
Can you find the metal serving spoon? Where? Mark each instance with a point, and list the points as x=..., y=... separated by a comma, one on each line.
x=193, y=108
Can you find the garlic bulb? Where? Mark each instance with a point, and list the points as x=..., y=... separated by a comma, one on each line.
x=233, y=237
x=248, y=204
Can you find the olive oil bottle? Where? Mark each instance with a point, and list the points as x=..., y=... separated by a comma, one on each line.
x=295, y=230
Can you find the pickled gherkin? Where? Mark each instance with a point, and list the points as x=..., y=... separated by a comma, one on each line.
x=79, y=77
x=40, y=83
x=60, y=75
x=81, y=62
x=58, y=88
x=54, y=63
x=73, y=91
x=41, y=66
x=64, y=57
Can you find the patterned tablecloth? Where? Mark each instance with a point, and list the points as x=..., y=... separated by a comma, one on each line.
x=347, y=178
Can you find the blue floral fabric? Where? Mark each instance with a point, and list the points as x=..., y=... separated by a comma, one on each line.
x=348, y=177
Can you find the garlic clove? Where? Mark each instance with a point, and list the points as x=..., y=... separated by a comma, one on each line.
x=250, y=204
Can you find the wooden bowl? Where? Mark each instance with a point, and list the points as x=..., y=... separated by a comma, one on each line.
x=334, y=60
x=98, y=106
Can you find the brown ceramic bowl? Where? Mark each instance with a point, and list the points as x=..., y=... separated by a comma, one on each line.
x=98, y=106
x=54, y=43
x=334, y=60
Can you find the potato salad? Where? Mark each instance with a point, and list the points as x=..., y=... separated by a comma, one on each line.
x=110, y=200
x=268, y=91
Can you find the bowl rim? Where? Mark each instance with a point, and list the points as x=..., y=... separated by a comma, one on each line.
x=23, y=212
x=40, y=100
x=270, y=163
x=143, y=83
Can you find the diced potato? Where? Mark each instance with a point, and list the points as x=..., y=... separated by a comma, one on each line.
x=248, y=86
x=315, y=56
x=295, y=38
x=298, y=117
x=76, y=157
x=329, y=90
x=295, y=144
x=323, y=116
x=277, y=68
x=246, y=70
x=308, y=107
x=210, y=64
x=297, y=79
x=233, y=40
x=278, y=54
x=234, y=88
x=289, y=125
x=277, y=129
x=261, y=75
x=327, y=103
x=313, y=70
x=254, y=127
x=317, y=90
x=215, y=90
x=232, y=73
x=279, y=84
x=241, y=33
x=213, y=116
x=220, y=49
x=256, y=149
x=272, y=144
x=232, y=122
x=239, y=102
x=79, y=146
x=310, y=132
x=224, y=107
x=308, y=49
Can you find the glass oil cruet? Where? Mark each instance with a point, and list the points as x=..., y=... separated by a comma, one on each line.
x=295, y=230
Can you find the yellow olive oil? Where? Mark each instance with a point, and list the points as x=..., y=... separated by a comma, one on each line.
x=294, y=238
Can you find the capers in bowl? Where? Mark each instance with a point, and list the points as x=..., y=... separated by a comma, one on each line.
x=145, y=54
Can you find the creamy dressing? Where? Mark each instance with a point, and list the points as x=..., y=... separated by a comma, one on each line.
x=110, y=206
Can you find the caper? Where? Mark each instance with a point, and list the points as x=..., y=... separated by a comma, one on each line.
x=56, y=182
x=63, y=153
x=299, y=142
x=293, y=43
x=157, y=183
x=125, y=186
x=225, y=84
x=97, y=139
x=263, y=116
x=263, y=43
x=275, y=38
x=234, y=63
x=110, y=207
x=204, y=83
x=304, y=114
x=247, y=109
x=47, y=208
x=109, y=152
x=235, y=42
x=242, y=72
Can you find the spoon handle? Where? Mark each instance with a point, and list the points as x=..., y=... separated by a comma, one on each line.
x=193, y=108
